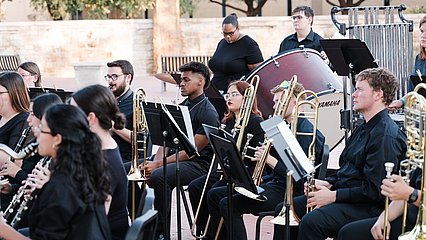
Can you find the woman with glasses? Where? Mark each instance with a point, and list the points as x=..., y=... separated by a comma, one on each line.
x=30, y=72
x=72, y=204
x=17, y=173
x=234, y=100
x=100, y=106
x=14, y=108
x=235, y=56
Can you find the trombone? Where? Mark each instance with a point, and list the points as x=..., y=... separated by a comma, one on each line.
x=241, y=122
x=140, y=126
x=415, y=110
x=311, y=114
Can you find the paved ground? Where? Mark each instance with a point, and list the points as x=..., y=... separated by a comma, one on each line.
x=152, y=87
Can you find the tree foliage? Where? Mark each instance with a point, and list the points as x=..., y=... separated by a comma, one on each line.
x=254, y=7
x=95, y=9
x=346, y=3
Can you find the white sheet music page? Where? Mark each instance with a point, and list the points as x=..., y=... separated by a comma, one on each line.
x=188, y=123
x=295, y=147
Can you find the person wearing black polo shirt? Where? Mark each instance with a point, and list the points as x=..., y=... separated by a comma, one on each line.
x=120, y=76
x=303, y=18
x=195, y=78
x=353, y=192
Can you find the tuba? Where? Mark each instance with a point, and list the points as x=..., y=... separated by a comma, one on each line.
x=140, y=126
x=301, y=111
x=415, y=125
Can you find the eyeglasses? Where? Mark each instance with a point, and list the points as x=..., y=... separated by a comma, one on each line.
x=27, y=75
x=38, y=130
x=298, y=17
x=229, y=33
x=228, y=96
x=113, y=77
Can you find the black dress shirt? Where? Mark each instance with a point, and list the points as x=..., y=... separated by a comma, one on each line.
x=125, y=104
x=362, y=170
x=311, y=41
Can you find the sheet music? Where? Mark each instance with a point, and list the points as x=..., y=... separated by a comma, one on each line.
x=188, y=123
x=295, y=147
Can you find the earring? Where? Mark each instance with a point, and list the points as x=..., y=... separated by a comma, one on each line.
x=54, y=146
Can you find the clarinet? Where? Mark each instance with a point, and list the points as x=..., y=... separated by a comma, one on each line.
x=21, y=140
x=19, y=203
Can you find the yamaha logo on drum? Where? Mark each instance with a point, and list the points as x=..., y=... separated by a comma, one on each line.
x=329, y=103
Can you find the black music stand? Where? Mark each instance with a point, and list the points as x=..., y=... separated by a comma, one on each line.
x=298, y=166
x=165, y=123
x=234, y=170
x=36, y=91
x=348, y=57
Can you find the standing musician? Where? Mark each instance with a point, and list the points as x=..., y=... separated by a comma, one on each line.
x=303, y=18
x=72, y=204
x=235, y=56
x=14, y=108
x=419, y=64
x=37, y=108
x=101, y=109
x=398, y=192
x=353, y=193
x=274, y=189
x=195, y=78
x=234, y=100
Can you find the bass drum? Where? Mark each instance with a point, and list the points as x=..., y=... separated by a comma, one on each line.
x=330, y=104
x=307, y=64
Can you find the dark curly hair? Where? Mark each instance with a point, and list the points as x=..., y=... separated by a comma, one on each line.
x=197, y=67
x=380, y=79
x=79, y=155
x=101, y=101
x=241, y=87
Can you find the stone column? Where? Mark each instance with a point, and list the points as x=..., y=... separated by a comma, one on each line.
x=166, y=30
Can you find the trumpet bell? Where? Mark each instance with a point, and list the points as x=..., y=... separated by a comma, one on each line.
x=280, y=220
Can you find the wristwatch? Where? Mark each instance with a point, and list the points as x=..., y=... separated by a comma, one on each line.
x=413, y=196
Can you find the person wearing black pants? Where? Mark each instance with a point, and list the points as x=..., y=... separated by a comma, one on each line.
x=273, y=190
x=353, y=193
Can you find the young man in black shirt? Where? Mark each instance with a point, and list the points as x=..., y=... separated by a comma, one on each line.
x=195, y=78
x=353, y=193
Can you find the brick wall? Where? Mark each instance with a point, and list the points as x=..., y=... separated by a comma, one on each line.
x=56, y=46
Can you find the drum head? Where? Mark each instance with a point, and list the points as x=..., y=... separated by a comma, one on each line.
x=306, y=64
x=330, y=104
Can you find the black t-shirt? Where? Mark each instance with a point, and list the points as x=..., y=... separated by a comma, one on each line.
x=229, y=61
x=311, y=41
x=11, y=131
x=125, y=104
x=117, y=215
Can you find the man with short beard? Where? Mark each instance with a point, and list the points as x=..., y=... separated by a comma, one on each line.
x=120, y=76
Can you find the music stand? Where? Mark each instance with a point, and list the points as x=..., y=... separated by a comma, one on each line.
x=234, y=170
x=348, y=57
x=165, y=123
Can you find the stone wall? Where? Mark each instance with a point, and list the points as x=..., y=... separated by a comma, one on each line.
x=56, y=46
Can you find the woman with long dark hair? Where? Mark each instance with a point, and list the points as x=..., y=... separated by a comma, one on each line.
x=72, y=204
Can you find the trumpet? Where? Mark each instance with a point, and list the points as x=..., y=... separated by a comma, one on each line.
x=313, y=115
x=388, y=168
x=415, y=111
x=140, y=126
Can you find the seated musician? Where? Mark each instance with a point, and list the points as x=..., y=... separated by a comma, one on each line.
x=234, y=100
x=398, y=192
x=30, y=72
x=274, y=190
x=37, y=108
x=72, y=204
x=195, y=78
x=353, y=193
x=14, y=108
